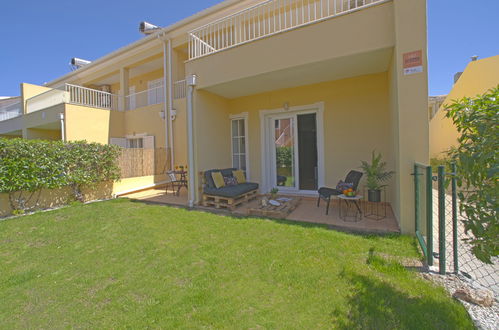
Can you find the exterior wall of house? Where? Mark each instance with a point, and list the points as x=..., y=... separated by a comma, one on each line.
x=211, y=132
x=180, y=133
x=43, y=134
x=91, y=124
x=478, y=77
x=29, y=90
x=356, y=121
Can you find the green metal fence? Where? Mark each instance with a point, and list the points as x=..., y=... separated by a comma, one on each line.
x=444, y=242
x=423, y=193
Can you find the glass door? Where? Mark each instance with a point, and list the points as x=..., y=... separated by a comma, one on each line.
x=285, y=153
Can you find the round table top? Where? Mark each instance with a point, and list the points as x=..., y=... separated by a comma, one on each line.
x=357, y=197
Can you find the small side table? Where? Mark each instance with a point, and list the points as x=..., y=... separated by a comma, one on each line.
x=349, y=206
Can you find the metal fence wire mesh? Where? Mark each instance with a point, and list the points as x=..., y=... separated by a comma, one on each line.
x=479, y=274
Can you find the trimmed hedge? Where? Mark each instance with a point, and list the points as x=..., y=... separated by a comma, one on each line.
x=28, y=166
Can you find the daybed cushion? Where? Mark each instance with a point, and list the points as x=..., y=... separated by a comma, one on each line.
x=218, y=179
x=231, y=191
x=209, y=179
x=239, y=175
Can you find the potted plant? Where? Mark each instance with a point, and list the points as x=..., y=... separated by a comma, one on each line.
x=376, y=175
x=273, y=193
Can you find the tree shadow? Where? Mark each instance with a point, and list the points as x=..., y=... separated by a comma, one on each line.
x=376, y=304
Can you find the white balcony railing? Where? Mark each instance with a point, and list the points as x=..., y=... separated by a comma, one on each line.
x=265, y=19
x=141, y=99
x=10, y=110
x=91, y=97
x=179, y=89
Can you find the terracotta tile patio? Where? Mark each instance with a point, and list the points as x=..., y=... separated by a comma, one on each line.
x=307, y=211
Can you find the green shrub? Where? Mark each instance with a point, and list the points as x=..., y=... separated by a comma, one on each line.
x=476, y=156
x=28, y=166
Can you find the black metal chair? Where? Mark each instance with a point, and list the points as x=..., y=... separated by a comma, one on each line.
x=326, y=193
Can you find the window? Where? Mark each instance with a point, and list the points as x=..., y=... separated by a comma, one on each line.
x=155, y=91
x=239, y=144
x=137, y=143
x=140, y=141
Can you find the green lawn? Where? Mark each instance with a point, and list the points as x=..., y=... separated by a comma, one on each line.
x=126, y=264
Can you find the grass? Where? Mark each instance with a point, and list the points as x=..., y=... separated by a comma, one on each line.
x=126, y=264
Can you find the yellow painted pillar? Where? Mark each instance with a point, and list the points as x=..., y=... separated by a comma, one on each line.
x=124, y=78
x=409, y=98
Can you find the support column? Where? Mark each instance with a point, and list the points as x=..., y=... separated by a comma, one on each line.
x=409, y=104
x=124, y=78
x=191, y=84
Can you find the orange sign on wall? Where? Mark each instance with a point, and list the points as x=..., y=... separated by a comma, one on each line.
x=413, y=62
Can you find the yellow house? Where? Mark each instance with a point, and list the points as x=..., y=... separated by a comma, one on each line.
x=340, y=78
x=478, y=77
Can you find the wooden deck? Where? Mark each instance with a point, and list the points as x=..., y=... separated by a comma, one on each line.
x=307, y=211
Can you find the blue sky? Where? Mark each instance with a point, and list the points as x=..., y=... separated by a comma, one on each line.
x=38, y=38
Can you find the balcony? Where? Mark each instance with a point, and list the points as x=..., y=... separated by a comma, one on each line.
x=266, y=19
x=72, y=94
x=10, y=110
x=154, y=95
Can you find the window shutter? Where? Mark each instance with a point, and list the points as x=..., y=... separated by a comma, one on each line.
x=148, y=142
x=118, y=141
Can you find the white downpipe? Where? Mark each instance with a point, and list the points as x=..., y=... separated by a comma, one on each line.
x=170, y=104
x=63, y=131
x=165, y=93
x=191, y=83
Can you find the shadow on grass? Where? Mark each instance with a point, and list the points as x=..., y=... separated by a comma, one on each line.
x=376, y=304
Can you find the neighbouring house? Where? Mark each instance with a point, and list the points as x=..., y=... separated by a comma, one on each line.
x=434, y=104
x=478, y=77
x=329, y=81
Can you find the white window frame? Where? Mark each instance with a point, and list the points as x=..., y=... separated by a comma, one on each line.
x=240, y=116
x=266, y=129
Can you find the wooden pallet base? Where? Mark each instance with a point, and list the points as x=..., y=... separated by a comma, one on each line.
x=228, y=202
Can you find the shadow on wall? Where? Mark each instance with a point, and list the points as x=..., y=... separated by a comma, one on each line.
x=50, y=198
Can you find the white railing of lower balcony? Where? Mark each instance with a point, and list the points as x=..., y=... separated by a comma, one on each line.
x=11, y=110
x=265, y=19
x=141, y=99
x=154, y=95
x=92, y=97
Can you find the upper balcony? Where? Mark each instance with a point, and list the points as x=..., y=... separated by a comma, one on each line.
x=288, y=43
x=10, y=108
x=266, y=19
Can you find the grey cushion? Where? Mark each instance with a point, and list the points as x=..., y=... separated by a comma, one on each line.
x=227, y=171
x=231, y=191
x=209, y=179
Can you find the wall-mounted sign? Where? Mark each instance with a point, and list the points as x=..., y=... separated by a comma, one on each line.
x=413, y=62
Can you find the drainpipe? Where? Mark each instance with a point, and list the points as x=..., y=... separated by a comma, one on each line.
x=191, y=83
x=170, y=103
x=63, y=131
x=165, y=92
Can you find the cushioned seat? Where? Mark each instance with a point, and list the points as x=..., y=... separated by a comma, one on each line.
x=231, y=191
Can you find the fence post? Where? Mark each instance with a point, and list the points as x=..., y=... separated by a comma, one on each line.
x=441, y=218
x=429, y=215
x=454, y=217
x=416, y=196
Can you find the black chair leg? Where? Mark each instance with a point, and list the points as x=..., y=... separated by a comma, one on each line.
x=327, y=206
x=318, y=201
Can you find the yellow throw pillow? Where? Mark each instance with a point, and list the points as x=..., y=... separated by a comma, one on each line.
x=239, y=175
x=218, y=179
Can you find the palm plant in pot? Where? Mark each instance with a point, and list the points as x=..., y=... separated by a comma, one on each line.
x=376, y=174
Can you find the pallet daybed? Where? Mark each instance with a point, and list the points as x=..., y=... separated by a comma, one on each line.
x=229, y=196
